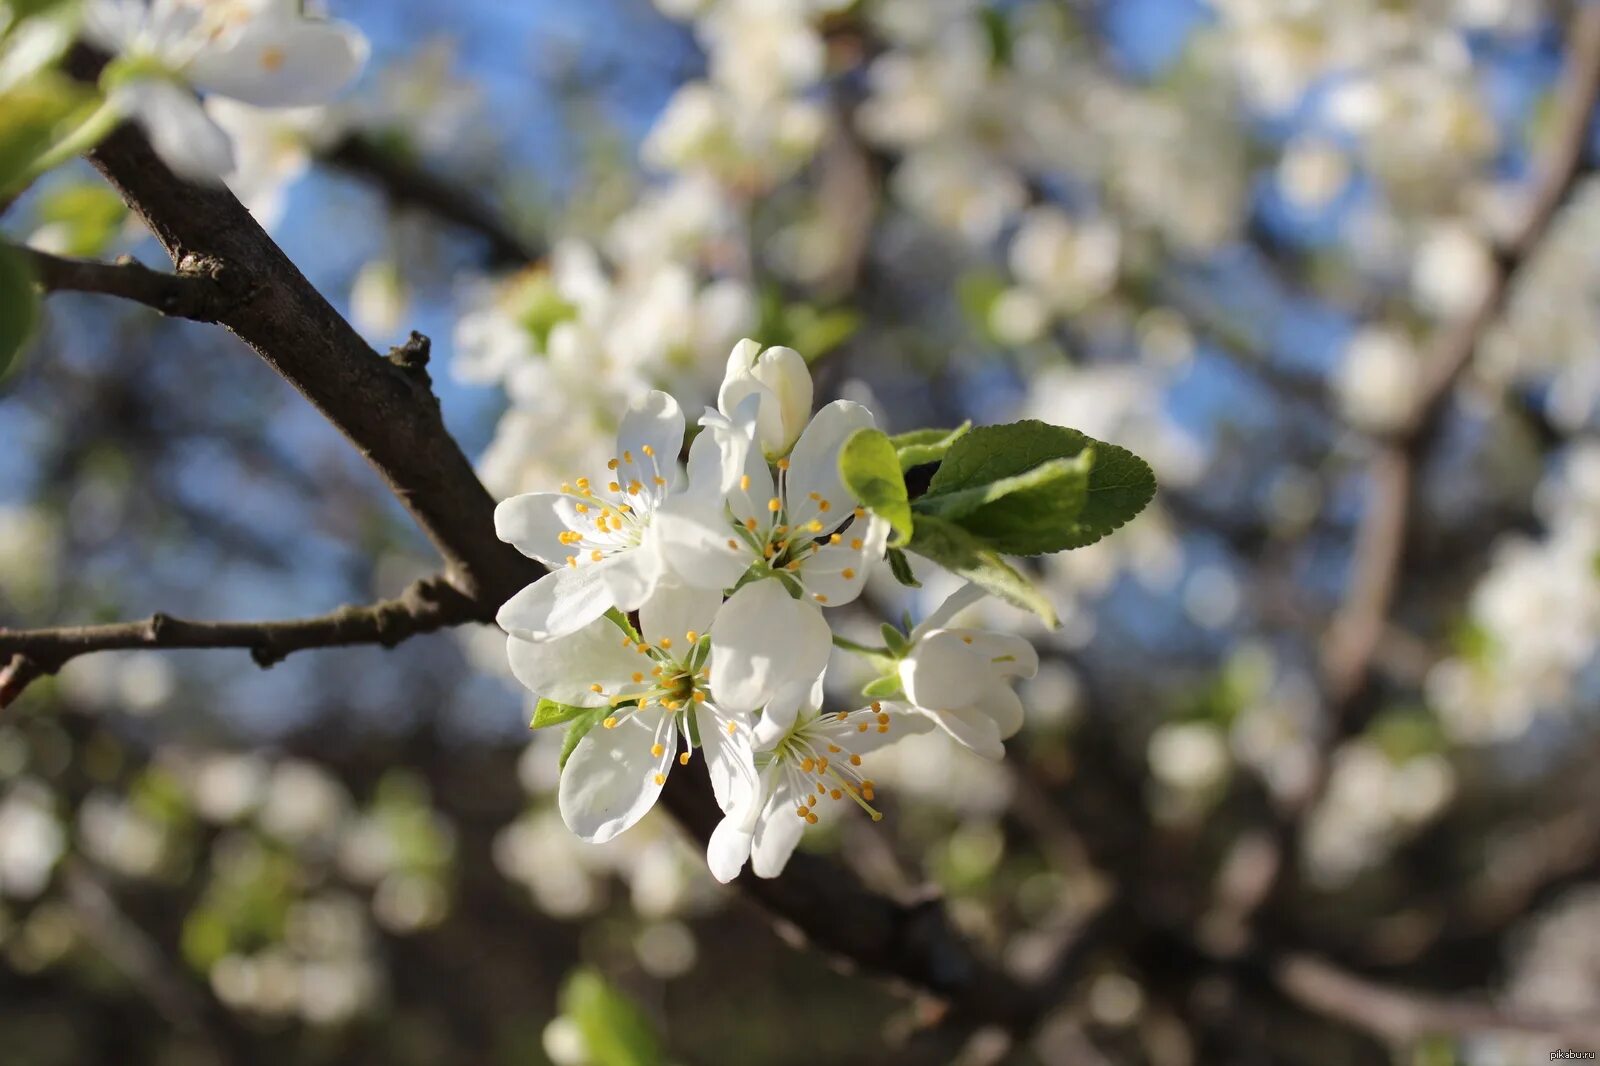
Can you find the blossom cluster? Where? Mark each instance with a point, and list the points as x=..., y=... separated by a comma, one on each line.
x=261, y=53
x=688, y=608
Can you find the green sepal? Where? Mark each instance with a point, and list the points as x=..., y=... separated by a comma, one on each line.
x=579, y=729
x=548, y=713
x=886, y=687
x=900, y=567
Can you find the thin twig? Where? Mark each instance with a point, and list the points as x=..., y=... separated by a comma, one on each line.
x=408, y=185
x=1353, y=639
x=193, y=295
x=427, y=605
x=1401, y=1016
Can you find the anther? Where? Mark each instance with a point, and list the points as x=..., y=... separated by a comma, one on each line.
x=773, y=504
x=647, y=450
x=660, y=779
x=657, y=750
x=610, y=723
x=744, y=482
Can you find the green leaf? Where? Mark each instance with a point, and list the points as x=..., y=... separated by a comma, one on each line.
x=926, y=445
x=815, y=333
x=19, y=307
x=871, y=470
x=1120, y=483
x=579, y=729
x=900, y=566
x=977, y=292
x=87, y=214
x=615, y=1031
x=33, y=117
x=1026, y=514
x=959, y=551
x=883, y=688
x=549, y=713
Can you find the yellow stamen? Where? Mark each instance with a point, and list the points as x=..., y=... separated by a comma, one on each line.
x=683, y=760
x=660, y=779
x=847, y=573
x=610, y=723
x=647, y=450
x=657, y=750
x=773, y=504
x=744, y=482
x=611, y=464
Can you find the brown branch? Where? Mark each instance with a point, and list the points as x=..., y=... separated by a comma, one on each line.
x=408, y=185
x=384, y=408
x=1401, y=1016
x=911, y=941
x=1352, y=640
x=388, y=414
x=427, y=605
x=193, y=295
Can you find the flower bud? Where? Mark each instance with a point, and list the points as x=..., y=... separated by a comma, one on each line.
x=782, y=380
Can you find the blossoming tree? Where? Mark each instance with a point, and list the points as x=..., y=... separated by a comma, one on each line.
x=794, y=477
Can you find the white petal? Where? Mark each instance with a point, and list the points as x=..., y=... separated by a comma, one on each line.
x=631, y=574
x=763, y=643
x=777, y=834
x=282, y=62
x=729, y=756
x=958, y=601
x=729, y=847
x=1005, y=707
x=694, y=538
x=562, y=602
x=1006, y=654
x=943, y=672
x=737, y=373
x=655, y=423
x=782, y=711
x=533, y=523
x=814, y=465
x=675, y=609
x=904, y=721
x=180, y=131
x=565, y=669
x=784, y=372
x=972, y=728
x=609, y=781
x=835, y=573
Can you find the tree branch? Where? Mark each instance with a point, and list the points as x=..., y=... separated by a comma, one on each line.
x=383, y=407
x=387, y=413
x=910, y=941
x=194, y=296
x=407, y=185
x=1400, y=1016
x=427, y=605
x=1381, y=541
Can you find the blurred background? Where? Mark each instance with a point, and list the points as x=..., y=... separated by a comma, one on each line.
x=1225, y=234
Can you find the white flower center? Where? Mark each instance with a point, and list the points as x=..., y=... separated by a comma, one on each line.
x=785, y=547
x=667, y=679
x=602, y=523
x=816, y=760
